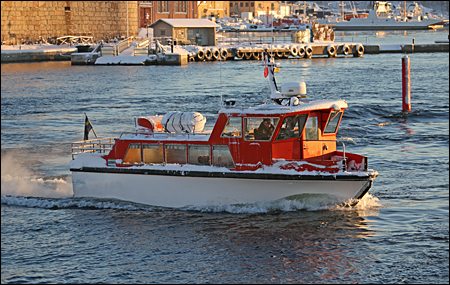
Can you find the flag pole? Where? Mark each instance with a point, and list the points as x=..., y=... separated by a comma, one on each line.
x=91, y=126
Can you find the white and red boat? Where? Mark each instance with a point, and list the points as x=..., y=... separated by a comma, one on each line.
x=278, y=150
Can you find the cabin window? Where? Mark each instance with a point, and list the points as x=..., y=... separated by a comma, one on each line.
x=233, y=128
x=133, y=154
x=152, y=153
x=222, y=157
x=311, y=129
x=200, y=154
x=259, y=128
x=292, y=127
x=333, y=122
x=176, y=153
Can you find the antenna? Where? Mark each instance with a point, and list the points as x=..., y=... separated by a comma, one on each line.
x=220, y=68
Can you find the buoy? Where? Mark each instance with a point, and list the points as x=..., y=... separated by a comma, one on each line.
x=294, y=50
x=286, y=54
x=201, y=54
x=216, y=54
x=208, y=54
x=279, y=54
x=191, y=59
x=248, y=54
x=345, y=49
x=301, y=51
x=308, y=52
x=406, y=84
x=224, y=53
x=239, y=54
x=331, y=50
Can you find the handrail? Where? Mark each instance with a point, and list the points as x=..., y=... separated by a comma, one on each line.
x=98, y=145
x=165, y=133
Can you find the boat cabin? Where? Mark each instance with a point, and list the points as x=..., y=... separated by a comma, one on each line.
x=243, y=139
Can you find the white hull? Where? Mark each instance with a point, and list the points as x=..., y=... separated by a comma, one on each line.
x=181, y=191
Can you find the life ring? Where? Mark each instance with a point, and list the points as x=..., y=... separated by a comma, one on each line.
x=216, y=54
x=331, y=50
x=224, y=53
x=201, y=55
x=256, y=55
x=301, y=51
x=345, y=49
x=359, y=50
x=279, y=54
x=294, y=50
x=239, y=54
x=308, y=51
x=248, y=54
x=191, y=59
x=286, y=54
x=208, y=54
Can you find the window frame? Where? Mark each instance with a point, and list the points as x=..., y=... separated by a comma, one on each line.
x=126, y=153
x=303, y=117
x=167, y=146
x=337, y=123
x=227, y=124
x=160, y=146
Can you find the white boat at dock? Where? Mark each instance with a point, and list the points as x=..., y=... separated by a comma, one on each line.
x=381, y=18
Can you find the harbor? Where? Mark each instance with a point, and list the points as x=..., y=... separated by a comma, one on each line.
x=170, y=154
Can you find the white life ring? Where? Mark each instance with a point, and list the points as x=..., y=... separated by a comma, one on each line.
x=191, y=58
x=286, y=54
x=331, y=50
x=308, y=51
x=345, y=49
x=208, y=54
x=256, y=55
x=301, y=51
x=224, y=53
x=294, y=50
x=201, y=54
x=239, y=53
x=248, y=54
x=359, y=50
x=216, y=54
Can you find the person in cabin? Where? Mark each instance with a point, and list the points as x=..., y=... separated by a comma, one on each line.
x=265, y=130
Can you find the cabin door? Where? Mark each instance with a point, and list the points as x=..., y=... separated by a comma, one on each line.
x=310, y=144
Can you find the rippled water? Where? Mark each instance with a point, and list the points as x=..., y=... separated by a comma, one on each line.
x=399, y=233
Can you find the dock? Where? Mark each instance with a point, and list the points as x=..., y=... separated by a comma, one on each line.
x=140, y=54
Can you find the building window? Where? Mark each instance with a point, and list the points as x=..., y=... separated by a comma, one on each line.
x=242, y=4
x=272, y=6
x=246, y=4
x=163, y=7
x=231, y=5
x=163, y=32
x=259, y=6
x=180, y=6
x=252, y=4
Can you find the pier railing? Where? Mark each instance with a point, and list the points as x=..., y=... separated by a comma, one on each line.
x=100, y=145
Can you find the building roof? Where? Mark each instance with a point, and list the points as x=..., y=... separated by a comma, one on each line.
x=187, y=23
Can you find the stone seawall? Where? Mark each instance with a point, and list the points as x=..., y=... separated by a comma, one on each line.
x=100, y=19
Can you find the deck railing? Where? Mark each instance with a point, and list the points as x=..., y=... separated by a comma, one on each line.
x=99, y=145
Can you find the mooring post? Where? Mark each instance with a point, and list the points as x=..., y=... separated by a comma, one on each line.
x=406, y=83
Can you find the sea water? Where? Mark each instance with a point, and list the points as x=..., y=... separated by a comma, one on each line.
x=397, y=234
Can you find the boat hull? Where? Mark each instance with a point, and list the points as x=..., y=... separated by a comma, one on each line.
x=178, y=190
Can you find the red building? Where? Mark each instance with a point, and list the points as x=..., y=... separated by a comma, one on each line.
x=166, y=10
